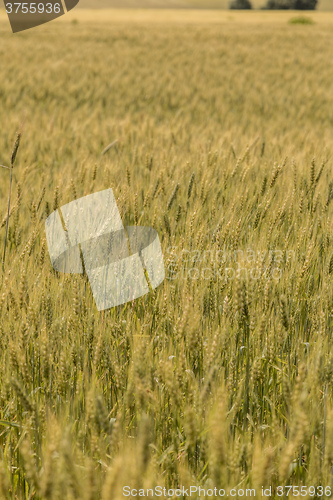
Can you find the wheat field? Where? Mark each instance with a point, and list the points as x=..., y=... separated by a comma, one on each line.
x=323, y=5
x=221, y=377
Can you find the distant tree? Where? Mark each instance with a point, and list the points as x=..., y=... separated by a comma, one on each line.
x=278, y=4
x=240, y=4
x=305, y=4
x=292, y=4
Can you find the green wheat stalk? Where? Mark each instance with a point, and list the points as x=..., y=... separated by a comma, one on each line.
x=12, y=162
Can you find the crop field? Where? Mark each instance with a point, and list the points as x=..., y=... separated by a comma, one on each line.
x=222, y=376
x=323, y=5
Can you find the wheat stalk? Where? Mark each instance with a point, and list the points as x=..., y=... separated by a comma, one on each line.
x=12, y=162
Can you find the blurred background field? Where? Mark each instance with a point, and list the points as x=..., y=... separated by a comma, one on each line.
x=324, y=5
x=224, y=123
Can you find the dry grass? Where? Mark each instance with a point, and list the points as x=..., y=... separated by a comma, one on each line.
x=324, y=5
x=214, y=381
x=182, y=16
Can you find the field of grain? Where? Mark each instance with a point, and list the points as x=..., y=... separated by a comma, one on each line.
x=221, y=377
x=323, y=5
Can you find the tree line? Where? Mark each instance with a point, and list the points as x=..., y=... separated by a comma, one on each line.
x=277, y=4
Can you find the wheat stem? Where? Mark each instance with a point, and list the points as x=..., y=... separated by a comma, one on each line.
x=12, y=161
